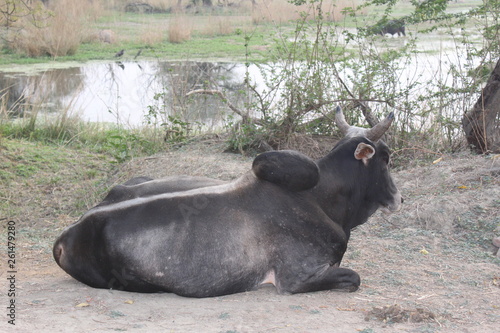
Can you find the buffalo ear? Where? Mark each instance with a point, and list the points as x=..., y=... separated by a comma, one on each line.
x=364, y=152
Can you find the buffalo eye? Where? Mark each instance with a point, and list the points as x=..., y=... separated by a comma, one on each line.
x=385, y=157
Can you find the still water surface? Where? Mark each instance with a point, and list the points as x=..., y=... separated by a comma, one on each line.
x=132, y=93
x=127, y=92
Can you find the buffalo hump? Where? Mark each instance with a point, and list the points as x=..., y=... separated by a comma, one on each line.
x=288, y=169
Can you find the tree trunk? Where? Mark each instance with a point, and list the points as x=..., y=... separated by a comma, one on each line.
x=482, y=123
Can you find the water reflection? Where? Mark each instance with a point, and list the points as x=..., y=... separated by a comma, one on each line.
x=19, y=90
x=136, y=93
x=129, y=93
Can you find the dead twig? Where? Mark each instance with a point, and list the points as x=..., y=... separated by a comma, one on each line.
x=223, y=97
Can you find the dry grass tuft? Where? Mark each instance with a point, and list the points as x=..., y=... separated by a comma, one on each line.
x=397, y=314
x=59, y=31
x=152, y=35
x=443, y=196
x=201, y=158
x=279, y=11
x=217, y=25
x=313, y=146
x=158, y=5
x=162, y=5
x=179, y=29
x=274, y=11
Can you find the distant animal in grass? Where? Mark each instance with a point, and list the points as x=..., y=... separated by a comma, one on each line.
x=119, y=54
x=384, y=27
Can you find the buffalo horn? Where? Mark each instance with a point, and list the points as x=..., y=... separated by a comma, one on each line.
x=373, y=134
x=340, y=120
x=376, y=132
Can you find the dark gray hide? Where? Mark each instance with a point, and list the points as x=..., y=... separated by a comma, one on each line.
x=286, y=222
x=390, y=27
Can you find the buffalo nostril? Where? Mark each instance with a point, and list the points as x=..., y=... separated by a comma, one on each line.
x=58, y=251
x=402, y=200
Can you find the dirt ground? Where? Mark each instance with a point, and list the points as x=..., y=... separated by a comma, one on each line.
x=429, y=268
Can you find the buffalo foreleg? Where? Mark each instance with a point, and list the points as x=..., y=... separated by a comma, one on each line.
x=326, y=277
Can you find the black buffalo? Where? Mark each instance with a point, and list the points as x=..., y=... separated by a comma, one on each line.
x=286, y=222
x=389, y=27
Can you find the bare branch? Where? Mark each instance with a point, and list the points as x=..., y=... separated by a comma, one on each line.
x=262, y=103
x=367, y=112
x=228, y=103
x=316, y=106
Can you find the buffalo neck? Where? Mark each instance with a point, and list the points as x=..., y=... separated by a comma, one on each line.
x=341, y=191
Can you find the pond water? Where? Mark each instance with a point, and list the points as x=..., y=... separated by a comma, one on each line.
x=128, y=93
x=133, y=93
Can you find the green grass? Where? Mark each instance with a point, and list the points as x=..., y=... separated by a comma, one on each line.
x=221, y=47
x=116, y=142
x=7, y=57
x=29, y=170
x=130, y=29
x=230, y=46
x=24, y=159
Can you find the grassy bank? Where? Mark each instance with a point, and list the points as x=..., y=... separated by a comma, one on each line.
x=322, y=58
x=101, y=29
x=32, y=173
x=231, y=46
x=97, y=30
x=117, y=143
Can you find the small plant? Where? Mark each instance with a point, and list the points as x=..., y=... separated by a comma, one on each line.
x=125, y=144
x=173, y=128
x=177, y=130
x=244, y=137
x=120, y=146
